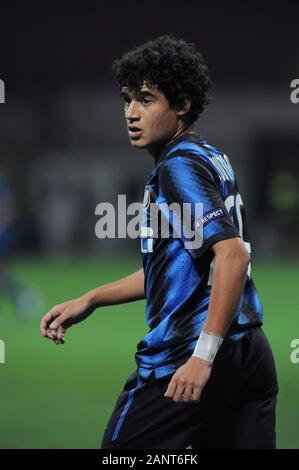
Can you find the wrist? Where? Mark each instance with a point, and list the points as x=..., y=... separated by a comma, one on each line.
x=198, y=361
x=90, y=300
x=207, y=346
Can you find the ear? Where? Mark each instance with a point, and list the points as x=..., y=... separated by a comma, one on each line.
x=185, y=107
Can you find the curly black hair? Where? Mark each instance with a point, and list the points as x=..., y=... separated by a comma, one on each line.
x=174, y=65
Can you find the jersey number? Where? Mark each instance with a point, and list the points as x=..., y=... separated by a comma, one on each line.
x=234, y=203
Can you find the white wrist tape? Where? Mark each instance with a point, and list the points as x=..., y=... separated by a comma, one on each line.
x=207, y=346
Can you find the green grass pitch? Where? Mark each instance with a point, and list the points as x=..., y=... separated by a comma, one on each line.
x=62, y=396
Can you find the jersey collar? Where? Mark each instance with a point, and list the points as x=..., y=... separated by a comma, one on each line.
x=190, y=136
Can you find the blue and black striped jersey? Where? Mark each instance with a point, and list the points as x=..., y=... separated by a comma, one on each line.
x=178, y=276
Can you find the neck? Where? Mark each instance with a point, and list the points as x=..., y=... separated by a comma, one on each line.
x=157, y=148
x=182, y=129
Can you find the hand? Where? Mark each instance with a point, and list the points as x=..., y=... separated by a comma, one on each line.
x=189, y=380
x=54, y=324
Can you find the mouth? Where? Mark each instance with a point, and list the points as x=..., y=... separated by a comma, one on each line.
x=134, y=131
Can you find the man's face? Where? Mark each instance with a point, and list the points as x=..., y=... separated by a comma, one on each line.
x=150, y=120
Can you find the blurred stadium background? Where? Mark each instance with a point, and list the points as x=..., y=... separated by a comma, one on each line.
x=64, y=149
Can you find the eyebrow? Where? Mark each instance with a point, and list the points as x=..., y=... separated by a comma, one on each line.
x=146, y=93
x=126, y=93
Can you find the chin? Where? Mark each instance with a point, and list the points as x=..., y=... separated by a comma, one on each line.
x=138, y=144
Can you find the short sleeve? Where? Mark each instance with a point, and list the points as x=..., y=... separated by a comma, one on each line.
x=187, y=179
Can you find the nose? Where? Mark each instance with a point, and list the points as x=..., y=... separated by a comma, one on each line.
x=132, y=111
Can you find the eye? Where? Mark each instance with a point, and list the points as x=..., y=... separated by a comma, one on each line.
x=146, y=101
x=127, y=100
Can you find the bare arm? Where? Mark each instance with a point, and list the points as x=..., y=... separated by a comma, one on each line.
x=127, y=289
x=231, y=263
x=54, y=324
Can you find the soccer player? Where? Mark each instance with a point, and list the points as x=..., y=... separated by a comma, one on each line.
x=205, y=372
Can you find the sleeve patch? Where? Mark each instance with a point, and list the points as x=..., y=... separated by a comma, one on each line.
x=208, y=217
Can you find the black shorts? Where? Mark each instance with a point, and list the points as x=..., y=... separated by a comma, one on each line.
x=236, y=409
